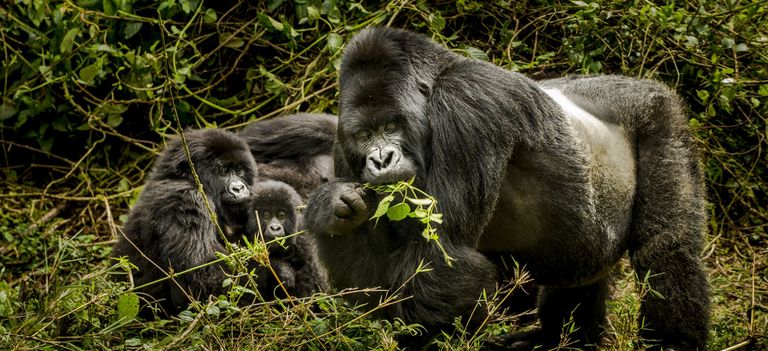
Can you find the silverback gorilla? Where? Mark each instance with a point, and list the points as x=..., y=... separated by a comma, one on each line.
x=296, y=264
x=566, y=175
x=170, y=228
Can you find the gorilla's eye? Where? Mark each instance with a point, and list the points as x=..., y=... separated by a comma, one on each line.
x=281, y=215
x=362, y=135
x=267, y=215
x=390, y=127
x=240, y=171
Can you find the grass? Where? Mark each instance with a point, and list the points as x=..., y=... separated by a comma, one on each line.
x=58, y=292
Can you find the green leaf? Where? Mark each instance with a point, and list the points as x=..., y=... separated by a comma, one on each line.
x=334, y=42
x=399, y=211
x=741, y=47
x=270, y=23
x=476, y=53
x=274, y=4
x=437, y=22
x=727, y=42
x=88, y=74
x=420, y=202
x=7, y=111
x=418, y=213
x=186, y=316
x=231, y=41
x=60, y=124
x=425, y=233
x=312, y=12
x=114, y=120
x=703, y=95
x=109, y=7
x=383, y=206
x=213, y=310
x=185, y=6
x=763, y=90
x=69, y=40
x=210, y=16
x=694, y=123
x=131, y=28
x=46, y=144
x=127, y=306
x=133, y=342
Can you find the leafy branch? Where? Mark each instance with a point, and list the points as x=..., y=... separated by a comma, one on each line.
x=424, y=210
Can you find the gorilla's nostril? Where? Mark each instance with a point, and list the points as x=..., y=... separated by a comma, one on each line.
x=376, y=162
x=237, y=188
x=381, y=158
x=388, y=156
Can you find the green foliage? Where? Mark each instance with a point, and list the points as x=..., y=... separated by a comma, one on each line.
x=425, y=210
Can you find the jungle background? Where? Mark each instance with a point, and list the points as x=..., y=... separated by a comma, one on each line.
x=91, y=89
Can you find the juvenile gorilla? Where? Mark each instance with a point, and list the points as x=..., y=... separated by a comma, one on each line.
x=565, y=175
x=295, y=149
x=170, y=229
x=296, y=264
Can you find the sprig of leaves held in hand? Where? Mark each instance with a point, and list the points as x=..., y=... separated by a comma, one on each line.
x=424, y=210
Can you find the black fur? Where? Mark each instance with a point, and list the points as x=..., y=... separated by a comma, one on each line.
x=295, y=149
x=296, y=264
x=170, y=229
x=515, y=173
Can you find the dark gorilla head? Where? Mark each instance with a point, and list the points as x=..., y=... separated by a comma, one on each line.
x=383, y=133
x=222, y=160
x=275, y=204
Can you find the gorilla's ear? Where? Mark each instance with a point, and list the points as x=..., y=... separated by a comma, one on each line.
x=424, y=88
x=173, y=163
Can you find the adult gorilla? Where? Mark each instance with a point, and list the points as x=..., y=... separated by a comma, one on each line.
x=566, y=175
x=295, y=149
x=170, y=227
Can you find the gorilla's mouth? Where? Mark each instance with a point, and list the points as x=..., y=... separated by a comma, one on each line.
x=386, y=165
x=392, y=175
x=237, y=198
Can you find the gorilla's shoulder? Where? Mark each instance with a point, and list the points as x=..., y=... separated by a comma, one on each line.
x=168, y=196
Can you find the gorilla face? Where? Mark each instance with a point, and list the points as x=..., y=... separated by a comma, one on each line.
x=231, y=183
x=275, y=205
x=376, y=146
x=382, y=148
x=274, y=223
x=225, y=170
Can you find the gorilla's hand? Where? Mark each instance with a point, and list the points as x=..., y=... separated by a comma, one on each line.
x=337, y=208
x=286, y=273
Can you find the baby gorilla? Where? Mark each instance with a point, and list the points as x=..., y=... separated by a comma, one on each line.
x=170, y=228
x=295, y=262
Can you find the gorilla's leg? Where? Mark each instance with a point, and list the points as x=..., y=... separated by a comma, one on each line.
x=667, y=226
x=583, y=306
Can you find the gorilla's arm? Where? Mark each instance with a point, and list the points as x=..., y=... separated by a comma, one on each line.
x=291, y=137
x=390, y=254
x=295, y=149
x=187, y=239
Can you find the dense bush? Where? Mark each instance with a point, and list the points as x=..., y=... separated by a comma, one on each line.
x=114, y=77
x=91, y=88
